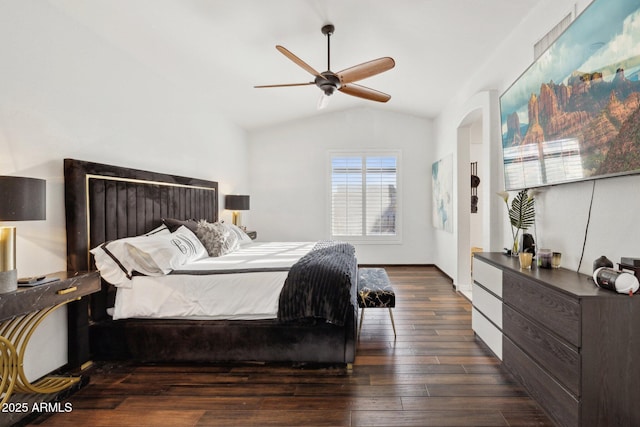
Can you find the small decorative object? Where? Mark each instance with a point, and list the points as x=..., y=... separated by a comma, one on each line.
x=528, y=244
x=525, y=260
x=634, y=262
x=556, y=258
x=631, y=265
x=521, y=214
x=618, y=281
x=475, y=182
x=545, y=258
x=603, y=261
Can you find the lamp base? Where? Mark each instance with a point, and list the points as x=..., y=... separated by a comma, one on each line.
x=235, y=218
x=8, y=281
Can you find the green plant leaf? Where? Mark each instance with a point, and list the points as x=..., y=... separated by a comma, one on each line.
x=522, y=213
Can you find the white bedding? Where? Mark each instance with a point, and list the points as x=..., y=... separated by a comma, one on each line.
x=249, y=295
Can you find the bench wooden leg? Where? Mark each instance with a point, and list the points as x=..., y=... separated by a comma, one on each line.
x=393, y=323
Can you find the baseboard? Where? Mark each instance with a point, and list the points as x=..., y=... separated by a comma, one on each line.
x=443, y=272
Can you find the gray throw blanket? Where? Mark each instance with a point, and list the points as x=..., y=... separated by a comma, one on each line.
x=319, y=284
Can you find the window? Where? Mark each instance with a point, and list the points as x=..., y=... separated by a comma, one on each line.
x=364, y=196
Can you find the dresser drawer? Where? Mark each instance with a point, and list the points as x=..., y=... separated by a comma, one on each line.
x=487, y=332
x=488, y=276
x=559, y=404
x=556, y=311
x=561, y=360
x=489, y=304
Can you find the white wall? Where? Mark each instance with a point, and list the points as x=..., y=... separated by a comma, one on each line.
x=67, y=93
x=561, y=211
x=289, y=178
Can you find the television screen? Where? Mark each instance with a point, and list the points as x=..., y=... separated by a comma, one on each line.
x=575, y=112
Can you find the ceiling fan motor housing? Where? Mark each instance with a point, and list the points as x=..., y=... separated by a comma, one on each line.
x=328, y=82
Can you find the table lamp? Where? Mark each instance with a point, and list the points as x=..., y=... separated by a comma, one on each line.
x=236, y=203
x=21, y=199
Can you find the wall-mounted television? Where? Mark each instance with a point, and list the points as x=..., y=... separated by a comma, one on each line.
x=574, y=114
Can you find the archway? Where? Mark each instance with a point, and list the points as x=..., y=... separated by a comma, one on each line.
x=478, y=141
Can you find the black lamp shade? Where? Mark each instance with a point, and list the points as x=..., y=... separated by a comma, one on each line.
x=22, y=199
x=236, y=202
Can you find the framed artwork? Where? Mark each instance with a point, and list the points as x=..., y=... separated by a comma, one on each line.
x=442, y=191
x=574, y=114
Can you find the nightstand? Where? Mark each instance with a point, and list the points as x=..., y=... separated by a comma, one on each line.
x=252, y=234
x=21, y=312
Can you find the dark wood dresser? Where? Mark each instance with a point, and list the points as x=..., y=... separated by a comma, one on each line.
x=573, y=346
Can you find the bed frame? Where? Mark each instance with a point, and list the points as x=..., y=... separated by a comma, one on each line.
x=106, y=202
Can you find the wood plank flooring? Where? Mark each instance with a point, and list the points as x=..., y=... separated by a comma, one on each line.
x=435, y=373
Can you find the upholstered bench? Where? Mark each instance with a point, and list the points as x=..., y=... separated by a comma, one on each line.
x=375, y=291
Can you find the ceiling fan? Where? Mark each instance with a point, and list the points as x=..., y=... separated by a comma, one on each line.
x=343, y=81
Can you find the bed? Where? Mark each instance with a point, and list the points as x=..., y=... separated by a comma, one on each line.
x=106, y=203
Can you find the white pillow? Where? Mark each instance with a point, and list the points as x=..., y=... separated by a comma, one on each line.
x=164, y=253
x=112, y=259
x=243, y=238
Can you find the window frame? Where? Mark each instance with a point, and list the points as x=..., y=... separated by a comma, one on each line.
x=363, y=154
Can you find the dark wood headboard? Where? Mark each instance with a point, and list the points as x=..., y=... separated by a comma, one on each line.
x=104, y=202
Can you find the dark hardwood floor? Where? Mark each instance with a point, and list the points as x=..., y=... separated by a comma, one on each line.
x=435, y=373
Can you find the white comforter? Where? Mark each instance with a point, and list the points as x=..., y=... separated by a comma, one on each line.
x=247, y=295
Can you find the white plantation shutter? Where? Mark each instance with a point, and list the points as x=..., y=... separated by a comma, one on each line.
x=380, y=196
x=347, y=196
x=364, y=195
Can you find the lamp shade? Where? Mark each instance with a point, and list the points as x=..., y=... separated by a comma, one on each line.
x=235, y=202
x=22, y=199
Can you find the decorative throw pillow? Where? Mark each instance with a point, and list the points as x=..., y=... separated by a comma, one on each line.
x=243, y=238
x=173, y=224
x=217, y=238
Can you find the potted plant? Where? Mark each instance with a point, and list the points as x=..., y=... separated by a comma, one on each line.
x=521, y=214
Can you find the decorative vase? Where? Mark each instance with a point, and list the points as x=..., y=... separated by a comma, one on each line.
x=515, y=248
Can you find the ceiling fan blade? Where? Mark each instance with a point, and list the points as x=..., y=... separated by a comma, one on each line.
x=297, y=60
x=364, y=92
x=366, y=69
x=285, y=85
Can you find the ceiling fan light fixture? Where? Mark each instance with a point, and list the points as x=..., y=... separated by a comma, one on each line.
x=323, y=101
x=328, y=89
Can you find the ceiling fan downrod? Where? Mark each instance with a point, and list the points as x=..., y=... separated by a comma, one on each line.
x=327, y=81
x=328, y=30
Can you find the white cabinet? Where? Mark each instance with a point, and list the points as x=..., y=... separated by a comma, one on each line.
x=486, y=318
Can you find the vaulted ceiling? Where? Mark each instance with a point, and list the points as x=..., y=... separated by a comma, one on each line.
x=223, y=48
